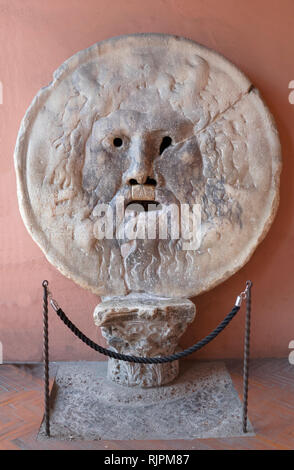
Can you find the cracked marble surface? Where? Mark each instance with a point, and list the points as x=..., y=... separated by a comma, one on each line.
x=101, y=124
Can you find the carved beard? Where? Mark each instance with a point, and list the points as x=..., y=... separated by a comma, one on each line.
x=158, y=260
x=144, y=259
x=152, y=259
x=141, y=259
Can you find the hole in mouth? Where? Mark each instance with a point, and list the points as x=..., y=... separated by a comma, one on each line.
x=143, y=206
x=166, y=142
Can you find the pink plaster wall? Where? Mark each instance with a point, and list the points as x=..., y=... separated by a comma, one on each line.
x=35, y=38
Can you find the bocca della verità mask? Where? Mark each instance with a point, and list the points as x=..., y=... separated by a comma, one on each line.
x=147, y=172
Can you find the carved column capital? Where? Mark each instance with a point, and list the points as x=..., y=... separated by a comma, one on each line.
x=143, y=325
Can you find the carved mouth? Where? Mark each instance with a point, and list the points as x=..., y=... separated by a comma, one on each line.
x=142, y=205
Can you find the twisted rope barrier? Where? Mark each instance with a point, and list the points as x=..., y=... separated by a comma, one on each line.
x=148, y=360
x=246, y=358
x=246, y=294
x=46, y=357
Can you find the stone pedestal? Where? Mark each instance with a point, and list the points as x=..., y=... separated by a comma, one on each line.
x=143, y=325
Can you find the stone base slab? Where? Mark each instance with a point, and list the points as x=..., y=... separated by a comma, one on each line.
x=201, y=403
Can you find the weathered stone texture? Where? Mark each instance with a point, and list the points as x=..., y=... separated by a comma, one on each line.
x=142, y=325
x=144, y=106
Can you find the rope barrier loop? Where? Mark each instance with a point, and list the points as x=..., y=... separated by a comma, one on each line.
x=149, y=360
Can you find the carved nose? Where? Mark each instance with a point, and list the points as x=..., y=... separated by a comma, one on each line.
x=139, y=179
x=140, y=169
x=149, y=181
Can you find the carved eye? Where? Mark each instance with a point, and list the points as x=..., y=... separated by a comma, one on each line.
x=117, y=141
x=166, y=142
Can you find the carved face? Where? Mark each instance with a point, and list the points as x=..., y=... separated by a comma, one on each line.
x=144, y=157
x=148, y=119
x=155, y=149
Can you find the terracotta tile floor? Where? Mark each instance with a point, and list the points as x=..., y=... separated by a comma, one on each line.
x=271, y=411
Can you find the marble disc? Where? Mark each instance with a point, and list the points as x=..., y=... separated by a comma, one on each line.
x=148, y=117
